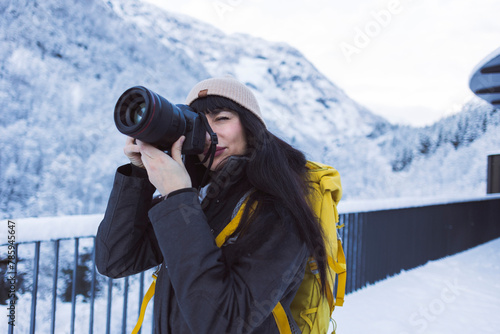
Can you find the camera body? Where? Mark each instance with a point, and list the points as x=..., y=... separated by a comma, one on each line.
x=142, y=114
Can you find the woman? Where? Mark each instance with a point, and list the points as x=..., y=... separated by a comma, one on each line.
x=202, y=288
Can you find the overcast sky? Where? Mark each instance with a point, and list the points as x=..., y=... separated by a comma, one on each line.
x=407, y=60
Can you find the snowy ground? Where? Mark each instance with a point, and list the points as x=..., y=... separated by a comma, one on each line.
x=457, y=294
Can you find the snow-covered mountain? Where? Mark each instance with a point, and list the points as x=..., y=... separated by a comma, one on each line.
x=287, y=85
x=63, y=64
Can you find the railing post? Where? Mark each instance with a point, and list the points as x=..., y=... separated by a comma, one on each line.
x=355, y=250
x=141, y=295
x=36, y=263
x=125, y=302
x=351, y=239
x=359, y=252
x=54, y=287
x=493, y=183
x=73, y=287
x=92, y=290
x=108, y=311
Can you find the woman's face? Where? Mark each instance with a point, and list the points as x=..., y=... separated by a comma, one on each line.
x=230, y=133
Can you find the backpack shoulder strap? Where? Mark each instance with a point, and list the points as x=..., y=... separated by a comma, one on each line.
x=235, y=221
x=281, y=319
x=149, y=294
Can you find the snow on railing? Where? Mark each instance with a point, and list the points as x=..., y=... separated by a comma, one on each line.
x=352, y=206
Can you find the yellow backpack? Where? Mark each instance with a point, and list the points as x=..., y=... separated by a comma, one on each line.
x=311, y=311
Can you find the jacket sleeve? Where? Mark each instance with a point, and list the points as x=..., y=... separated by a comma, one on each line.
x=125, y=240
x=215, y=297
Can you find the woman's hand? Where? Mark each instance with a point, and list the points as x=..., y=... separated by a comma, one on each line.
x=166, y=173
x=133, y=152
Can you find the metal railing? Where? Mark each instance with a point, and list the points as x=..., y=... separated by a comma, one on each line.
x=382, y=243
x=49, y=312
x=377, y=244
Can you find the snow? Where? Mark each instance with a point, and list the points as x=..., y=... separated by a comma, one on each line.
x=351, y=206
x=457, y=294
x=492, y=152
x=52, y=228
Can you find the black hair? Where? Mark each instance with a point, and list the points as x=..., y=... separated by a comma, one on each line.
x=276, y=172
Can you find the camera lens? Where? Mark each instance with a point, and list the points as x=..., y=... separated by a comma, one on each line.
x=145, y=115
x=131, y=109
x=138, y=112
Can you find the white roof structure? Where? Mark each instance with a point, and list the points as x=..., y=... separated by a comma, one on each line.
x=485, y=79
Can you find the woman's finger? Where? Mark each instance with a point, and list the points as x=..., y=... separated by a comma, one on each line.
x=177, y=150
x=131, y=149
x=148, y=150
x=130, y=140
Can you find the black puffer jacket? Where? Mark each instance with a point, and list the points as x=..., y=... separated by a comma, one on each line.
x=200, y=288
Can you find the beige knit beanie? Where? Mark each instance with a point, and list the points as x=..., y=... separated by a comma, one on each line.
x=227, y=87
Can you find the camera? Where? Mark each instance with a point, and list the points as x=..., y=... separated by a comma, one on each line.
x=142, y=114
